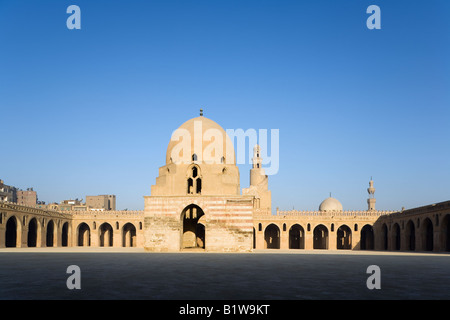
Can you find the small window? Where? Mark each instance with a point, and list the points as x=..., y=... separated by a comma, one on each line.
x=260, y=227
x=194, y=157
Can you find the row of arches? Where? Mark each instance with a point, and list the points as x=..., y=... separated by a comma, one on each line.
x=416, y=234
x=34, y=233
x=106, y=235
x=320, y=240
x=47, y=235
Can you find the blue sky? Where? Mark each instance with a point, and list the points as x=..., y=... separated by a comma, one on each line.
x=91, y=111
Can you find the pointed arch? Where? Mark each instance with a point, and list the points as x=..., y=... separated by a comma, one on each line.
x=193, y=229
x=11, y=233
x=129, y=235
x=272, y=237
x=296, y=237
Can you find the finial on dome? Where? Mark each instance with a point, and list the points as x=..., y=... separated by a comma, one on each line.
x=201, y=112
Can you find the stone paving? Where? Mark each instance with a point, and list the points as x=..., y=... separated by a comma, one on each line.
x=107, y=273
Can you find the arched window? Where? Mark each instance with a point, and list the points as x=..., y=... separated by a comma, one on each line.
x=194, y=157
x=194, y=181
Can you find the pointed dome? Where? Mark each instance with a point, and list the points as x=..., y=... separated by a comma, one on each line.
x=203, y=139
x=330, y=204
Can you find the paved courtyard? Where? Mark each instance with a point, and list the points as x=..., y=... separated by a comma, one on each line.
x=114, y=274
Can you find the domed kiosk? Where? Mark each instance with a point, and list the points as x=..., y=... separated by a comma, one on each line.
x=196, y=202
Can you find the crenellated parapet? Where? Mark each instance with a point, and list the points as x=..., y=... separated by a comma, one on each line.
x=106, y=214
x=347, y=213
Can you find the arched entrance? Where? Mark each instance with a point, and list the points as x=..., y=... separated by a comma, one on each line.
x=296, y=237
x=129, y=235
x=320, y=240
x=427, y=235
x=344, y=237
x=445, y=233
x=65, y=235
x=193, y=230
x=105, y=235
x=410, y=234
x=49, y=239
x=396, y=236
x=384, y=236
x=84, y=235
x=11, y=232
x=272, y=237
x=367, y=238
x=32, y=233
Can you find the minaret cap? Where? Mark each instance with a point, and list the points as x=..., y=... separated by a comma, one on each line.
x=371, y=189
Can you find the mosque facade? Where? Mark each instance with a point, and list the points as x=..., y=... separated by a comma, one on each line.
x=196, y=203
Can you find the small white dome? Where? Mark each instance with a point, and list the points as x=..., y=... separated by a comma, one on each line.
x=330, y=204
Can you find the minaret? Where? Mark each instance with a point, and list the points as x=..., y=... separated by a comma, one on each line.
x=371, y=191
x=259, y=183
x=257, y=174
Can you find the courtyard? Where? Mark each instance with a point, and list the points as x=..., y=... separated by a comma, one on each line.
x=133, y=274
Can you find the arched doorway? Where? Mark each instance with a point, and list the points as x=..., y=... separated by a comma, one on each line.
x=193, y=231
x=11, y=232
x=427, y=235
x=344, y=237
x=320, y=240
x=384, y=236
x=84, y=235
x=50, y=234
x=32, y=233
x=367, y=238
x=129, y=235
x=296, y=237
x=105, y=235
x=272, y=237
x=410, y=234
x=396, y=236
x=65, y=235
x=445, y=233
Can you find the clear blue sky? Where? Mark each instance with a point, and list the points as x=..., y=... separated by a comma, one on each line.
x=91, y=111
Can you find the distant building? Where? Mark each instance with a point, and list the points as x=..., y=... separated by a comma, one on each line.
x=7, y=193
x=71, y=205
x=101, y=202
x=27, y=198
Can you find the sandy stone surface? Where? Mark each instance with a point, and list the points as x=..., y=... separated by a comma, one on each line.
x=33, y=273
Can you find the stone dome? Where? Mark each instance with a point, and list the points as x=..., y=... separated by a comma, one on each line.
x=330, y=204
x=203, y=140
